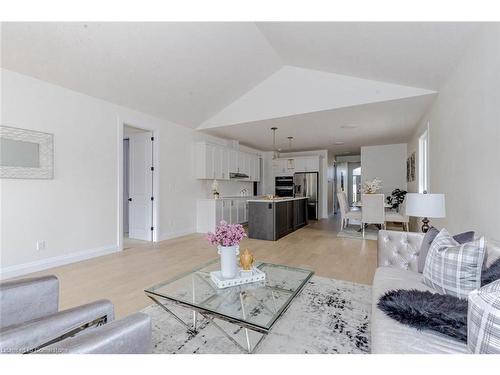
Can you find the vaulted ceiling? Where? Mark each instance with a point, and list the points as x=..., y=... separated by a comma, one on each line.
x=236, y=80
x=416, y=54
x=182, y=72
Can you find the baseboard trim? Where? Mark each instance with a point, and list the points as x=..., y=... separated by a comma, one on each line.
x=171, y=235
x=43, y=264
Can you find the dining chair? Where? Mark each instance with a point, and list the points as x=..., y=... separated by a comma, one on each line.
x=373, y=211
x=398, y=216
x=345, y=213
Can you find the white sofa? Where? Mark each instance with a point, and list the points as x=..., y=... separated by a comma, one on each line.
x=398, y=254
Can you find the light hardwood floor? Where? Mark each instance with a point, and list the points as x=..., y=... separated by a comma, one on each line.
x=122, y=277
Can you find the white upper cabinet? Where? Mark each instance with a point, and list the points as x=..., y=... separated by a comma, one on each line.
x=217, y=162
x=204, y=160
x=312, y=164
x=289, y=166
x=224, y=171
x=281, y=167
x=243, y=158
x=300, y=164
x=233, y=161
x=255, y=168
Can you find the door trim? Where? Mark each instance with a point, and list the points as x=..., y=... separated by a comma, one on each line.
x=122, y=122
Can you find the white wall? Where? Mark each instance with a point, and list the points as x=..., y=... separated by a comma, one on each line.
x=76, y=213
x=387, y=163
x=464, y=125
x=330, y=174
x=341, y=166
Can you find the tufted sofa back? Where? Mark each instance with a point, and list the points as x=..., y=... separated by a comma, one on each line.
x=399, y=249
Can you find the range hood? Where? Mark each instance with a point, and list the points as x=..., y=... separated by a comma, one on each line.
x=237, y=176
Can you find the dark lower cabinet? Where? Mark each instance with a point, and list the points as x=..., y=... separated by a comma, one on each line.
x=299, y=213
x=284, y=218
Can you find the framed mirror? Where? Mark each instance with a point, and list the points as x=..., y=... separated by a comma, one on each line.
x=26, y=154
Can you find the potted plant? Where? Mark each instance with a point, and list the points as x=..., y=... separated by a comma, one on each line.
x=396, y=198
x=227, y=238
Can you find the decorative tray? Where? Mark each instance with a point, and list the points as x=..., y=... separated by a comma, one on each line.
x=242, y=277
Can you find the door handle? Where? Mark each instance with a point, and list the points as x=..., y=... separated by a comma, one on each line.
x=130, y=199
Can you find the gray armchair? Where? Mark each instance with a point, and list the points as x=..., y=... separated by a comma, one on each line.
x=30, y=321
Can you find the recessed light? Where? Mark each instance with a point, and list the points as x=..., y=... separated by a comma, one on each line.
x=349, y=126
x=339, y=143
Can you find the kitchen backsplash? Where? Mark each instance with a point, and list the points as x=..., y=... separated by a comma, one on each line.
x=229, y=188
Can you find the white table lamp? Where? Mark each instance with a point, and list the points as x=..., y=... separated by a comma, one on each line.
x=425, y=205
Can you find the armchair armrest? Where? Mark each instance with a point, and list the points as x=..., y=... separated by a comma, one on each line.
x=130, y=335
x=25, y=337
x=399, y=249
x=27, y=299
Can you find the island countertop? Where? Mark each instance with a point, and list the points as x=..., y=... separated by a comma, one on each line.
x=276, y=200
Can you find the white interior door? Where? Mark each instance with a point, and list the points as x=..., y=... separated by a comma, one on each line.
x=141, y=186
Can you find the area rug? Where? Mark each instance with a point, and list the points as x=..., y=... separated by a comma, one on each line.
x=329, y=316
x=371, y=233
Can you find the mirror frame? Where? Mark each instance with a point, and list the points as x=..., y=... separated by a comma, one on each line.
x=45, y=143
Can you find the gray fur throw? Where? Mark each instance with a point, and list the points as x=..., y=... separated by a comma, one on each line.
x=424, y=310
x=491, y=274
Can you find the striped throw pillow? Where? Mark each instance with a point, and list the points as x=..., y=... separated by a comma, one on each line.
x=483, y=320
x=453, y=268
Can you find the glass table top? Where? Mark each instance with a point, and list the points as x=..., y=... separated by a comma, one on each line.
x=256, y=305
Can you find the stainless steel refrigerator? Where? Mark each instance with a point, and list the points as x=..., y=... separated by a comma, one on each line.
x=306, y=185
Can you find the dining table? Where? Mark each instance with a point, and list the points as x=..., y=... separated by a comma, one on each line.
x=360, y=204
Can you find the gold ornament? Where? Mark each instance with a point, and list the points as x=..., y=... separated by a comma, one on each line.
x=246, y=260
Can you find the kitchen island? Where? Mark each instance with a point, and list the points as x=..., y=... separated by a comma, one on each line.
x=271, y=219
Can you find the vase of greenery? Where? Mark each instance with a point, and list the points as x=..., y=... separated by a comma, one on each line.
x=396, y=198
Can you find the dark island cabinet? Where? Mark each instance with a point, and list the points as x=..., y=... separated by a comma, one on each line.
x=299, y=213
x=284, y=218
x=271, y=220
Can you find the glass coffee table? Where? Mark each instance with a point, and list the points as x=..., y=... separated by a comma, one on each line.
x=255, y=306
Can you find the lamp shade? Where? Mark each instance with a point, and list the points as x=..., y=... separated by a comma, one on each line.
x=425, y=205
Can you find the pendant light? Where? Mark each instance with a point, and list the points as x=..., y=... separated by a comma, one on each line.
x=276, y=153
x=291, y=162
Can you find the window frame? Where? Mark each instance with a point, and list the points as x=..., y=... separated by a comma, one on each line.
x=423, y=161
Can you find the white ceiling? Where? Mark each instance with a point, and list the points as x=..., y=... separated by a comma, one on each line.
x=193, y=73
x=294, y=91
x=376, y=123
x=418, y=54
x=182, y=72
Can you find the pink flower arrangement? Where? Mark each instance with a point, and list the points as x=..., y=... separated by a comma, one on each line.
x=226, y=234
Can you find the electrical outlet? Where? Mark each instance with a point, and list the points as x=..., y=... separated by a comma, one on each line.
x=40, y=245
